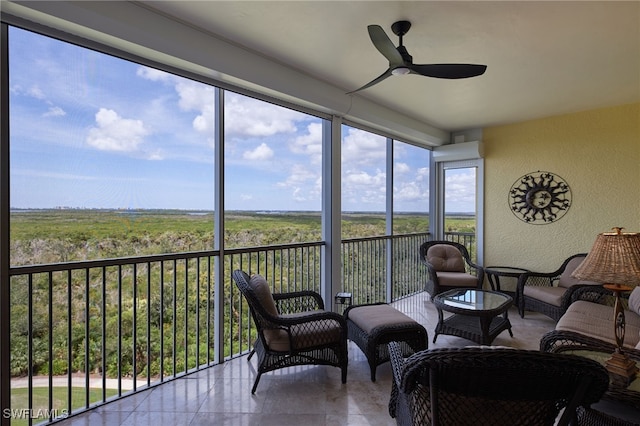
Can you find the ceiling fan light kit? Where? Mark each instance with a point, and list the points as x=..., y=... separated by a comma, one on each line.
x=401, y=62
x=400, y=71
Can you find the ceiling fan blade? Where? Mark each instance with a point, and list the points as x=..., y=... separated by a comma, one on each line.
x=384, y=45
x=450, y=71
x=376, y=80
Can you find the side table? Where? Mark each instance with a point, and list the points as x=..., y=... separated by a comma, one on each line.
x=495, y=272
x=478, y=315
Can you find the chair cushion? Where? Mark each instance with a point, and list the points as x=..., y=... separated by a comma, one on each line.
x=457, y=279
x=566, y=280
x=634, y=300
x=444, y=257
x=260, y=288
x=546, y=294
x=596, y=320
x=304, y=335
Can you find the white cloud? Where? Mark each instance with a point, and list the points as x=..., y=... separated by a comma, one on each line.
x=153, y=74
x=245, y=116
x=410, y=191
x=422, y=173
x=246, y=197
x=261, y=153
x=460, y=190
x=194, y=96
x=114, y=133
x=363, y=148
x=399, y=168
x=36, y=92
x=310, y=143
x=54, y=112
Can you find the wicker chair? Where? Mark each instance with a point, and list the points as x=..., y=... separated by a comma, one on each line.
x=491, y=386
x=293, y=328
x=550, y=292
x=449, y=266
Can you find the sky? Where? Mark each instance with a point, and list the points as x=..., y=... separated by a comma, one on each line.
x=88, y=130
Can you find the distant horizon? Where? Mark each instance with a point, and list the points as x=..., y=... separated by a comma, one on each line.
x=118, y=209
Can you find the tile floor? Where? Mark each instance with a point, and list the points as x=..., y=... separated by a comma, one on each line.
x=310, y=395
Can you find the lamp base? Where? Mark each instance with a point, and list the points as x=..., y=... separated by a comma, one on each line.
x=622, y=366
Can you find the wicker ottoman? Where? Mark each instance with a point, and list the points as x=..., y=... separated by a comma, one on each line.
x=371, y=327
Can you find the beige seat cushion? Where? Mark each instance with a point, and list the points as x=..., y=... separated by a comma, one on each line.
x=444, y=257
x=595, y=320
x=550, y=295
x=457, y=279
x=304, y=335
x=368, y=318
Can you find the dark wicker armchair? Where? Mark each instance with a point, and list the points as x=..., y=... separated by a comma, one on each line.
x=491, y=386
x=449, y=266
x=550, y=292
x=293, y=328
x=566, y=341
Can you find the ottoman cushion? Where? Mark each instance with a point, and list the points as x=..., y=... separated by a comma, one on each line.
x=369, y=318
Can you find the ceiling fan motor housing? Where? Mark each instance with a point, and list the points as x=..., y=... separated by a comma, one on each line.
x=400, y=28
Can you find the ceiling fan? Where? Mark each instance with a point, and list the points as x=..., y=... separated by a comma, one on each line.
x=401, y=63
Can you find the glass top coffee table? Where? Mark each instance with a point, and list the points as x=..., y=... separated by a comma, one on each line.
x=478, y=315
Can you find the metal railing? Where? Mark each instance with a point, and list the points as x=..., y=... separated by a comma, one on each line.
x=117, y=326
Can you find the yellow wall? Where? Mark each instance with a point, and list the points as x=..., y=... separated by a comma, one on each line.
x=598, y=154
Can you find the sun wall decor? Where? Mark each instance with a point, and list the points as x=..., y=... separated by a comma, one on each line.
x=540, y=198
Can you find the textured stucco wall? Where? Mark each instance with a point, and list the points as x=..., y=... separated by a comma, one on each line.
x=598, y=154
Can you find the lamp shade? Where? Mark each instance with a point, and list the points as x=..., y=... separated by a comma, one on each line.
x=613, y=259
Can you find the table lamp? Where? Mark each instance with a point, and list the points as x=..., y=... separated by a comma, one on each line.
x=614, y=260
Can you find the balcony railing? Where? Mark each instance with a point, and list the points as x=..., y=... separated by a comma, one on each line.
x=84, y=333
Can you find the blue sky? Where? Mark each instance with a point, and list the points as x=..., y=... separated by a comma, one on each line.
x=92, y=131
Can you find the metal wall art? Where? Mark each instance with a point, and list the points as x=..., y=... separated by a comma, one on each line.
x=540, y=198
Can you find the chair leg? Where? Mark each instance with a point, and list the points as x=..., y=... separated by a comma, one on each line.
x=255, y=384
x=344, y=374
x=253, y=351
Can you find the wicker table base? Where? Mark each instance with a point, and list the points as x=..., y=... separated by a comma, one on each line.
x=478, y=315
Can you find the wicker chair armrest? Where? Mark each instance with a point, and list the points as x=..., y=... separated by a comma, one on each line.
x=563, y=341
x=594, y=294
x=308, y=317
x=298, y=301
x=397, y=366
x=475, y=269
x=472, y=265
x=568, y=296
x=397, y=361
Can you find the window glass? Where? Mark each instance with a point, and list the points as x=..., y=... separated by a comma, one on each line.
x=410, y=188
x=108, y=158
x=363, y=183
x=273, y=173
x=460, y=200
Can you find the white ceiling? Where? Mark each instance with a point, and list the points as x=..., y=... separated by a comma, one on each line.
x=544, y=58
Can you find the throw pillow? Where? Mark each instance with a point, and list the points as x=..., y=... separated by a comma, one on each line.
x=634, y=300
x=261, y=289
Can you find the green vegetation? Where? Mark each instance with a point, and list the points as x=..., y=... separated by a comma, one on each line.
x=20, y=396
